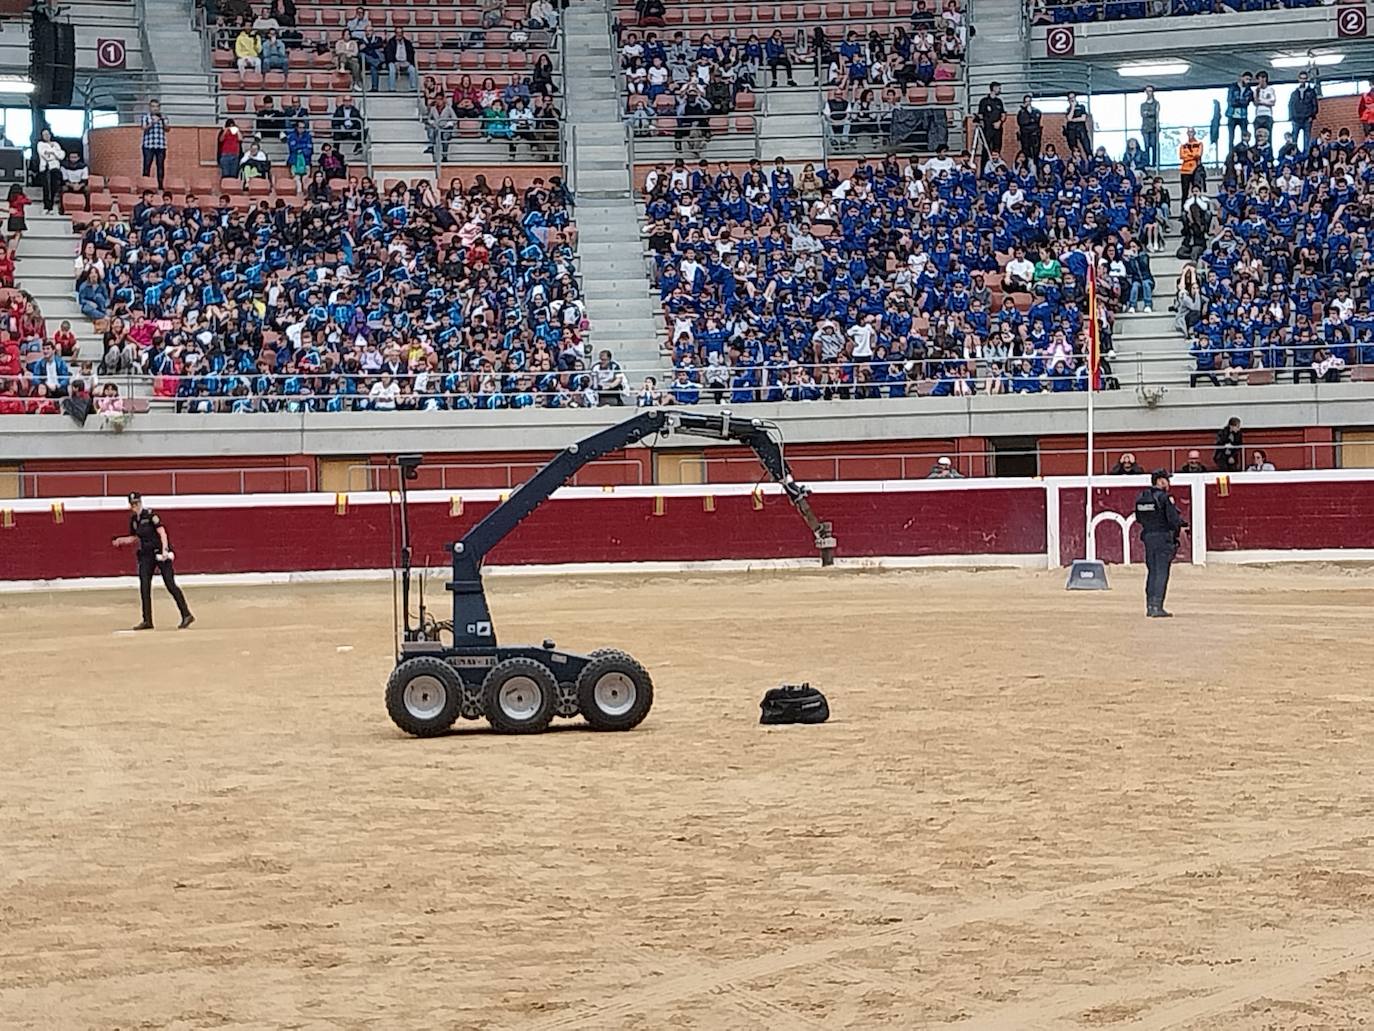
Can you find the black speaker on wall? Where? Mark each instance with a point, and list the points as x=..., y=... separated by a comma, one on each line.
x=52, y=61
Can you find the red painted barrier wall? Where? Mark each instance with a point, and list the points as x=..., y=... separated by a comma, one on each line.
x=1257, y=516
x=1109, y=535
x=273, y=536
x=1288, y=513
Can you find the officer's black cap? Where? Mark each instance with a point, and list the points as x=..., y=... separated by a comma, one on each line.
x=1161, y=474
x=134, y=496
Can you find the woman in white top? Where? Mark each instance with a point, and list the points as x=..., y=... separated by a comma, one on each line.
x=50, y=157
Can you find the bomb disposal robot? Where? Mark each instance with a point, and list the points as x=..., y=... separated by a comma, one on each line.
x=521, y=688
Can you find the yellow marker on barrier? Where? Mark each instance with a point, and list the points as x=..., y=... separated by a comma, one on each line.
x=7, y=519
x=1223, y=486
x=660, y=505
x=340, y=504
x=608, y=488
x=59, y=512
x=505, y=496
x=758, y=499
x=455, y=506
x=708, y=503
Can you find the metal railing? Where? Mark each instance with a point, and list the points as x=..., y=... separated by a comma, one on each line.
x=1042, y=12
x=493, y=475
x=919, y=462
x=1149, y=375
x=287, y=479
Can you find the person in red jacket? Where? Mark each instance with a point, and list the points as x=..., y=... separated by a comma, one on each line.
x=6, y=267
x=11, y=402
x=1367, y=110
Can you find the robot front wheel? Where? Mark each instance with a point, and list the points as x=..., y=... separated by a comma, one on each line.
x=614, y=692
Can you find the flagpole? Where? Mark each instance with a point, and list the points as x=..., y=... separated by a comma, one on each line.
x=1090, y=550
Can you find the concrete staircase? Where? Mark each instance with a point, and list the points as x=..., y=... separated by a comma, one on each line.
x=176, y=53
x=791, y=124
x=614, y=277
x=397, y=135
x=1149, y=352
x=44, y=269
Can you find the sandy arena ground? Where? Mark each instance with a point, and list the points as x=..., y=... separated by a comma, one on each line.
x=1031, y=809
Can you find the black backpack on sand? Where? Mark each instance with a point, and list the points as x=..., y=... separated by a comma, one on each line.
x=794, y=703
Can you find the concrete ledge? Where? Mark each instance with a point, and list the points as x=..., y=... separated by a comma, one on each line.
x=169, y=435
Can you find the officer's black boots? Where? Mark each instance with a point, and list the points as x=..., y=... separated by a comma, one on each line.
x=145, y=625
x=186, y=621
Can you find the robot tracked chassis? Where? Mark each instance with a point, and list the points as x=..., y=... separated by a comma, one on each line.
x=521, y=688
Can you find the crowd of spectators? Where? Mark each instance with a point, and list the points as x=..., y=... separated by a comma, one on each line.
x=355, y=300
x=1059, y=12
x=692, y=80
x=1283, y=278
x=896, y=276
x=522, y=110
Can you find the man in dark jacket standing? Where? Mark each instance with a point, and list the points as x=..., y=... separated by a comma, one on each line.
x=154, y=555
x=991, y=113
x=1160, y=522
x=1228, y=455
x=1028, y=128
x=1302, y=109
x=1239, y=96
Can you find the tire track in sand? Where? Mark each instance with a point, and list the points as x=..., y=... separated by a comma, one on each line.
x=654, y=997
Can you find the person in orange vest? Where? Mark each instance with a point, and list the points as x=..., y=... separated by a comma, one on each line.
x=1367, y=110
x=1190, y=170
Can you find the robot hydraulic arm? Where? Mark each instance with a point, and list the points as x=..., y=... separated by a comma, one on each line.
x=765, y=440
x=472, y=618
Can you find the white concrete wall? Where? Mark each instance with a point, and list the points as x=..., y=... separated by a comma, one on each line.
x=166, y=434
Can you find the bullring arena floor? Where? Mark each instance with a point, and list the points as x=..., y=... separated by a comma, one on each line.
x=1031, y=809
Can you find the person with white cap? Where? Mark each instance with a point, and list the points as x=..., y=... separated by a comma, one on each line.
x=944, y=469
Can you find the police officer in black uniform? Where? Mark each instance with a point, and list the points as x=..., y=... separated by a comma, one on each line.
x=1160, y=522
x=154, y=553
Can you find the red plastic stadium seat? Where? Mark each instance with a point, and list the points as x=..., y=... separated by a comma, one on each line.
x=446, y=18
x=424, y=18
x=944, y=94
x=856, y=10
x=744, y=124
x=259, y=187
x=235, y=103
x=811, y=12
x=696, y=15
x=121, y=184
x=916, y=94
x=746, y=101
